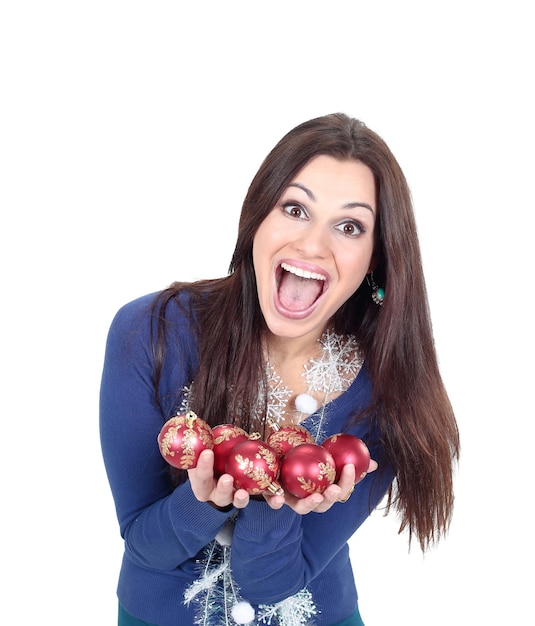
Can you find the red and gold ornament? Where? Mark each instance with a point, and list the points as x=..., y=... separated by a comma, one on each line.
x=307, y=469
x=346, y=448
x=225, y=437
x=182, y=439
x=255, y=467
x=284, y=438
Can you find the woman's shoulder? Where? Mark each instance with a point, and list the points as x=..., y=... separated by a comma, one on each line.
x=138, y=305
x=134, y=315
x=155, y=304
x=138, y=318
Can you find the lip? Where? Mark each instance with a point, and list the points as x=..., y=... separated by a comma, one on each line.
x=304, y=269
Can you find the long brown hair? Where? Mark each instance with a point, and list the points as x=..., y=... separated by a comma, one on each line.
x=410, y=402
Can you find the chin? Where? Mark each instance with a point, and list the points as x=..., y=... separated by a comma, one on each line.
x=292, y=328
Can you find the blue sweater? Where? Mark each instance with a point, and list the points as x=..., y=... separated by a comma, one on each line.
x=274, y=554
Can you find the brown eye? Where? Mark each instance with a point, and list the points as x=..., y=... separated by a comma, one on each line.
x=294, y=210
x=351, y=229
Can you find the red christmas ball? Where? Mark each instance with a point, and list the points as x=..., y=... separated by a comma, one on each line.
x=225, y=436
x=345, y=449
x=284, y=438
x=255, y=467
x=183, y=438
x=307, y=469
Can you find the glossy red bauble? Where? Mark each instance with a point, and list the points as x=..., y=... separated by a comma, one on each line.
x=307, y=469
x=183, y=438
x=225, y=436
x=255, y=467
x=284, y=438
x=345, y=449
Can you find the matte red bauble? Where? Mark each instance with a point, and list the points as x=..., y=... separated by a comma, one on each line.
x=284, y=438
x=183, y=438
x=226, y=436
x=255, y=467
x=345, y=449
x=306, y=469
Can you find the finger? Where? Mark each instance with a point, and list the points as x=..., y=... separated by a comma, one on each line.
x=331, y=495
x=223, y=493
x=346, y=482
x=303, y=506
x=346, y=495
x=373, y=466
x=347, y=477
x=225, y=488
x=275, y=502
x=205, y=466
x=241, y=499
x=202, y=477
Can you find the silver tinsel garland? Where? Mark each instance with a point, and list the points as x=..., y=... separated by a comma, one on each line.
x=218, y=601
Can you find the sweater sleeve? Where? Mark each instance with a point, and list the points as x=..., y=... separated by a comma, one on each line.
x=162, y=526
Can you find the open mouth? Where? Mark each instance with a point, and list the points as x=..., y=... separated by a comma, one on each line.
x=298, y=289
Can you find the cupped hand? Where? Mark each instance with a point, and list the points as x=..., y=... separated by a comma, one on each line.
x=319, y=503
x=219, y=492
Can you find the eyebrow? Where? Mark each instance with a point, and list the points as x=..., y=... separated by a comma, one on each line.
x=348, y=205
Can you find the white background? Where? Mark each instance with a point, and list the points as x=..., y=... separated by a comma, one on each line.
x=129, y=132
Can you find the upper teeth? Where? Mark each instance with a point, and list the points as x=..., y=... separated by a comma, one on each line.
x=302, y=273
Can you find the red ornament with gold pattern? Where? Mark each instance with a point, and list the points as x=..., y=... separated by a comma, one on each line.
x=225, y=436
x=307, y=469
x=182, y=439
x=345, y=449
x=284, y=438
x=255, y=467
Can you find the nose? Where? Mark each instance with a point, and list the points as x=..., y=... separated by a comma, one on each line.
x=313, y=241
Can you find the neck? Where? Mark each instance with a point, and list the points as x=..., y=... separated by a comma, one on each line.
x=281, y=349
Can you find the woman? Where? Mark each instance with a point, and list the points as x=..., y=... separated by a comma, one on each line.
x=322, y=321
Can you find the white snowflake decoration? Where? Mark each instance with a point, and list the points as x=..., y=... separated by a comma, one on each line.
x=294, y=611
x=336, y=368
x=278, y=396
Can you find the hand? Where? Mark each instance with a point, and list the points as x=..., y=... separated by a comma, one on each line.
x=218, y=492
x=319, y=503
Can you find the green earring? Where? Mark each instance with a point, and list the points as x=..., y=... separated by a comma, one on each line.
x=378, y=293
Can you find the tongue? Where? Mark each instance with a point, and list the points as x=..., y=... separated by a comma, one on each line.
x=298, y=294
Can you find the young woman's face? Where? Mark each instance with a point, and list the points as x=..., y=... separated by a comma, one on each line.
x=315, y=247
